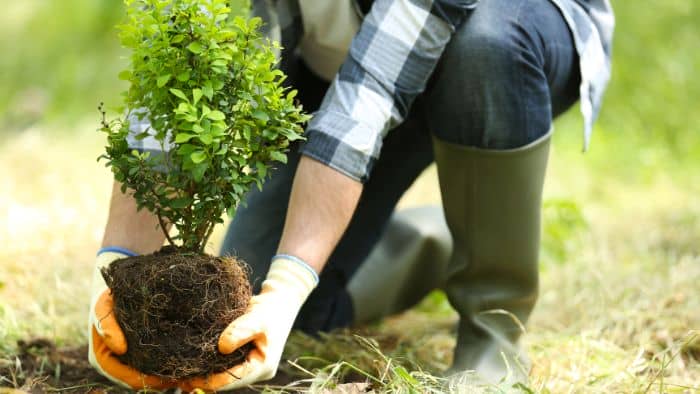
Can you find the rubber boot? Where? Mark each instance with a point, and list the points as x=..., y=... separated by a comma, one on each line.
x=409, y=261
x=492, y=201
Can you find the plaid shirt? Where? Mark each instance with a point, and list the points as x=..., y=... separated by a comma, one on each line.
x=390, y=60
x=393, y=55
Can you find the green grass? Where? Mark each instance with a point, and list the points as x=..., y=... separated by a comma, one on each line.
x=618, y=308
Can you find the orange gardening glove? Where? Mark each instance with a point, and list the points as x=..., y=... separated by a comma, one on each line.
x=266, y=324
x=106, y=339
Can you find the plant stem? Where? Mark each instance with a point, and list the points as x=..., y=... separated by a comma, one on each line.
x=208, y=233
x=165, y=229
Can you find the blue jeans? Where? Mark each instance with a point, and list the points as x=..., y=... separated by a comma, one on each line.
x=507, y=72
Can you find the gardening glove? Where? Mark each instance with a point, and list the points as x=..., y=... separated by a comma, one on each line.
x=266, y=323
x=106, y=339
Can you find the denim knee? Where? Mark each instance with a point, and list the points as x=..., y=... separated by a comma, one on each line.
x=491, y=89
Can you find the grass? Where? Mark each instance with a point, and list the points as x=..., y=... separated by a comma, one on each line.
x=618, y=308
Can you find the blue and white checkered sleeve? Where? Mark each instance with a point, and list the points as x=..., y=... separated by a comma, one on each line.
x=388, y=65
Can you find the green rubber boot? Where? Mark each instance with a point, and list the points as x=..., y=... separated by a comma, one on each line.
x=409, y=261
x=492, y=200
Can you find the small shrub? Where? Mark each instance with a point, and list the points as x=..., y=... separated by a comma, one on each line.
x=208, y=85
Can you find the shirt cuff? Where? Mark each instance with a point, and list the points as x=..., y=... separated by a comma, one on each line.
x=342, y=144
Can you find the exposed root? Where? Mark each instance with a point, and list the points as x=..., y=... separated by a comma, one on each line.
x=172, y=307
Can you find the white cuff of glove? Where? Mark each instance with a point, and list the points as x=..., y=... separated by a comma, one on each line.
x=303, y=264
x=292, y=276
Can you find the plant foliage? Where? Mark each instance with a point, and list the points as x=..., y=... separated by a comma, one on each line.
x=208, y=85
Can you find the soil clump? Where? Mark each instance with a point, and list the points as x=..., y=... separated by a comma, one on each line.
x=173, y=306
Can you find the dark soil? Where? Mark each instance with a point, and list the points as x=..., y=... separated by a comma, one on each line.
x=173, y=306
x=40, y=367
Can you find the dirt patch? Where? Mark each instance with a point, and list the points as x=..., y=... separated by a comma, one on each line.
x=173, y=306
x=40, y=367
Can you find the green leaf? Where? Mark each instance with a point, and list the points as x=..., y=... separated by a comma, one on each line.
x=238, y=188
x=182, y=202
x=195, y=47
x=218, y=129
x=206, y=138
x=217, y=84
x=184, y=76
x=198, y=172
x=291, y=135
x=269, y=134
x=230, y=211
x=183, y=137
x=186, y=149
x=208, y=90
x=163, y=79
x=278, y=156
x=222, y=150
x=261, y=115
x=179, y=93
x=198, y=156
x=216, y=115
x=196, y=95
x=262, y=169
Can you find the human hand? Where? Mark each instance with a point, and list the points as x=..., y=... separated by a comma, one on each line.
x=106, y=340
x=266, y=323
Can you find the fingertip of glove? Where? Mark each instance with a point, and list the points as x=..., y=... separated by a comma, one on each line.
x=113, y=335
x=233, y=337
x=107, y=326
x=117, y=345
x=227, y=342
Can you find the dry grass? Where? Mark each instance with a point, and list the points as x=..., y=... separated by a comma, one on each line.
x=617, y=315
x=53, y=199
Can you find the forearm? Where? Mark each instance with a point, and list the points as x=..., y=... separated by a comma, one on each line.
x=321, y=205
x=128, y=228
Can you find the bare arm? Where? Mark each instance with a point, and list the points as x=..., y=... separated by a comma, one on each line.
x=128, y=228
x=320, y=208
